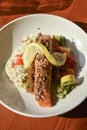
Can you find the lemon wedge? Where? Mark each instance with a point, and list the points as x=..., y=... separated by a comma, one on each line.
x=57, y=59
x=60, y=58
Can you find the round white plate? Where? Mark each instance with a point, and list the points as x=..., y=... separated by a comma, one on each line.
x=10, y=36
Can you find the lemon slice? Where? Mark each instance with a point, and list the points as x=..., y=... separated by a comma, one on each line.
x=68, y=80
x=57, y=59
x=60, y=58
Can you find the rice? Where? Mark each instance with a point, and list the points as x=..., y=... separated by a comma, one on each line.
x=17, y=73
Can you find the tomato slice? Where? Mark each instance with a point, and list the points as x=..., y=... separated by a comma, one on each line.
x=19, y=60
x=70, y=62
x=70, y=71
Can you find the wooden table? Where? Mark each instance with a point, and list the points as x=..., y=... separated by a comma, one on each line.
x=73, y=120
x=76, y=119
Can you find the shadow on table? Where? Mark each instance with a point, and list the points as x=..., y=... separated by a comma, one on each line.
x=78, y=112
x=82, y=25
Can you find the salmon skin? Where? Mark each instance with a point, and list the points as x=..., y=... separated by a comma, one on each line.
x=42, y=81
x=30, y=71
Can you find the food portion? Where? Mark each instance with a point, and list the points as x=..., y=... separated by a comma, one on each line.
x=42, y=81
x=43, y=66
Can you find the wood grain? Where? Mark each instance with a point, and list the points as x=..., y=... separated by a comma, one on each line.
x=10, y=120
x=8, y=7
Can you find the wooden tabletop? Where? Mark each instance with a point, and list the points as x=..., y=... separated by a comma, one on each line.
x=74, y=10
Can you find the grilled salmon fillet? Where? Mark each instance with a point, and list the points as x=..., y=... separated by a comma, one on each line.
x=42, y=81
x=39, y=74
x=43, y=69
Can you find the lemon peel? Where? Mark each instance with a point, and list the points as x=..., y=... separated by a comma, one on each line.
x=34, y=48
x=68, y=80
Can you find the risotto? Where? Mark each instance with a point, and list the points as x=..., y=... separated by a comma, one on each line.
x=15, y=67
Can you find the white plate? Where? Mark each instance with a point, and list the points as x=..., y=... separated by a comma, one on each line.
x=10, y=36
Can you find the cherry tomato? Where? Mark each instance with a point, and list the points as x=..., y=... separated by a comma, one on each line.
x=19, y=62
x=70, y=62
x=70, y=71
